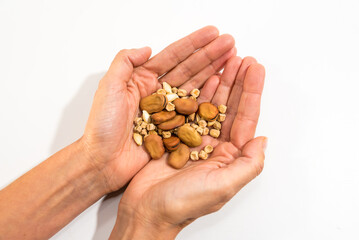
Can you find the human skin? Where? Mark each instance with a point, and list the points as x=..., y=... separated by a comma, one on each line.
x=160, y=201
x=105, y=158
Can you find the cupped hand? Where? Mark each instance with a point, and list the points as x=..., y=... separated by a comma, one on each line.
x=131, y=76
x=162, y=196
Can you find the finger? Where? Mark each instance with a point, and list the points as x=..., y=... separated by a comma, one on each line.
x=245, y=168
x=227, y=81
x=208, y=89
x=178, y=51
x=122, y=66
x=234, y=98
x=245, y=122
x=200, y=78
x=199, y=60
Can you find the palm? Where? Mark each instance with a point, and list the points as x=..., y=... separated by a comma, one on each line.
x=117, y=99
x=199, y=185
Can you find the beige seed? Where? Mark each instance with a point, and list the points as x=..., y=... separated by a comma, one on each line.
x=143, y=125
x=217, y=125
x=221, y=117
x=198, y=118
x=195, y=93
x=214, y=133
x=195, y=126
x=143, y=132
x=191, y=97
x=185, y=97
x=200, y=130
x=191, y=117
x=203, y=155
x=174, y=90
x=210, y=124
x=151, y=127
x=182, y=92
x=202, y=123
x=194, y=156
x=222, y=108
x=152, y=132
x=138, y=129
x=161, y=91
x=208, y=149
x=146, y=116
x=167, y=87
x=205, y=131
x=138, y=139
x=171, y=97
x=170, y=107
x=166, y=134
x=159, y=131
x=137, y=121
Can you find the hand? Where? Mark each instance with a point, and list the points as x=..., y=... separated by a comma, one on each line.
x=108, y=133
x=161, y=200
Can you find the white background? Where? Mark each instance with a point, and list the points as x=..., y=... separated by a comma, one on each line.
x=53, y=53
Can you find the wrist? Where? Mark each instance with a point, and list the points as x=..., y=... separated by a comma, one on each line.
x=131, y=224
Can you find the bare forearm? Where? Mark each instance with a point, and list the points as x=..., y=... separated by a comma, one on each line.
x=45, y=199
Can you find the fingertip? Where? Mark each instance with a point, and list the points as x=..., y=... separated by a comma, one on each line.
x=212, y=29
x=228, y=39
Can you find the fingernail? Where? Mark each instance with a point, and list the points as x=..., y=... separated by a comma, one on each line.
x=264, y=144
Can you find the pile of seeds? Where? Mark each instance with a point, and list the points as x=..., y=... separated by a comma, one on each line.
x=173, y=121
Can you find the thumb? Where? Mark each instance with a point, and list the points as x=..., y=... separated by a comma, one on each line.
x=249, y=165
x=122, y=66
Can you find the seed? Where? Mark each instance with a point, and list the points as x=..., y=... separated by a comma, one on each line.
x=150, y=127
x=194, y=155
x=170, y=107
x=179, y=157
x=166, y=134
x=208, y=149
x=182, y=92
x=198, y=118
x=191, y=117
x=167, y=87
x=138, y=138
x=171, y=97
x=189, y=136
x=195, y=126
x=146, y=116
x=221, y=117
x=138, y=129
x=171, y=143
x=208, y=111
x=210, y=124
x=193, y=98
x=159, y=131
x=138, y=121
x=162, y=116
x=153, y=103
x=200, y=130
x=185, y=97
x=174, y=90
x=154, y=146
x=222, y=108
x=152, y=132
x=161, y=91
x=195, y=93
x=143, y=132
x=217, y=125
x=214, y=133
x=143, y=125
x=205, y=131
x=177, y=121
x=203, y=155
x=185, y=106
x=202, y=123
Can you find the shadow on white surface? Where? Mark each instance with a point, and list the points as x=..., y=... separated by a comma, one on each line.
x=71, y=127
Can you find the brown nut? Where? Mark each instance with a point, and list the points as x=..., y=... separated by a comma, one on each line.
x=171, y=143
x=185, y=106
x=162, y=116
x=208, y=111
x=153, y=103
x=154, y=146
x=177, y=121
x=179, y=158
x=189, y=136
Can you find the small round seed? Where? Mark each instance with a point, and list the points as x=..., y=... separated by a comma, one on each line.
x=214, y=133
x=182, y=92
x=195, y=93
x=203, y=155
x=222, y=108
x=194, y=156
x=208, y=149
